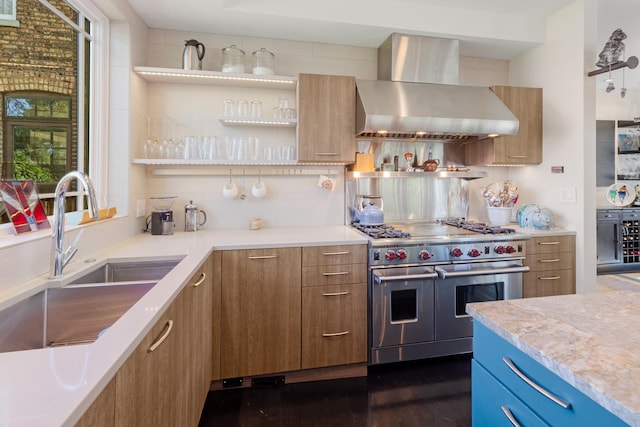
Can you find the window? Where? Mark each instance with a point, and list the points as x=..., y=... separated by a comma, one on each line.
x=54, y=100
x=8, y=10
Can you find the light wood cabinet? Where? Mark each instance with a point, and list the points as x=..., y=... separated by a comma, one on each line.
x=334, y=305
x=523, y=148
x=552, y=264
x=216, y=279
x=148, y=385
x=166, y=379
x=326, y=118
x=102, y=412
x=198, y=350
x=261, y=297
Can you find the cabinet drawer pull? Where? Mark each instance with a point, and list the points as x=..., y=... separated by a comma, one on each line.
x=555, y=399
x=263, y=257
x=336, y=334
x=516, y=157
x=327, y=154
x=549, y=243
x=200, y=280
x=163, y=337
x=507, y=413
x=337, y=273
x=549, y=278
x=335, y=253
x=335, y=294
x=549, y=260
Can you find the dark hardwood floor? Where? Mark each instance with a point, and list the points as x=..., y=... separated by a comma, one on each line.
x=433, y=392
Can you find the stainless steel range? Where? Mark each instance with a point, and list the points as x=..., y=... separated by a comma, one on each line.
x=421, y=276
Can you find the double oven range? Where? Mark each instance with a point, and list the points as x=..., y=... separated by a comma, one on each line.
x=422, y=275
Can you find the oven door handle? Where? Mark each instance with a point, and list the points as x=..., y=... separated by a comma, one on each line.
x=381, y=279
x=480, y=272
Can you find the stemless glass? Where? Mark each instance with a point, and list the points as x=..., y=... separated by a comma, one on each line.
x=256, y=109
x=228, y=107
x=243, y=108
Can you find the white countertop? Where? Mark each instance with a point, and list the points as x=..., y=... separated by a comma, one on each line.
x=589, y=340
x=54, y=386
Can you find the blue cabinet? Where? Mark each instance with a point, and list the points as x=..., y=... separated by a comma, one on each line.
x=532, y=393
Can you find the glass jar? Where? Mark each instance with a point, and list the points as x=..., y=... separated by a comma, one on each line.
x=232, y=59
x=263, y=62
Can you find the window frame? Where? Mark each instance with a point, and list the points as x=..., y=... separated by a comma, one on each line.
x=98, y=91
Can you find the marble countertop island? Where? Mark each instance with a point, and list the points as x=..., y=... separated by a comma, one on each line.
x=592, y=341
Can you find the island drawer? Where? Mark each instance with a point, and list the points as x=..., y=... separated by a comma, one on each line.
x=491, y=400
x=494, y=353
x=334, y=255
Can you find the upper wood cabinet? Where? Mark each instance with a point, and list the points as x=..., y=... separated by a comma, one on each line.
x=261, y=298
x=523, y=148
x=326, y=118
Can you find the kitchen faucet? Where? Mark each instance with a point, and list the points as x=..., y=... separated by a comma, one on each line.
x=60, y=257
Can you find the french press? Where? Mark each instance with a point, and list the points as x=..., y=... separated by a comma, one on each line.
x=191, y=212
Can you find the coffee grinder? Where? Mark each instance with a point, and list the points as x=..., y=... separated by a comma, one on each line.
x=161, y=220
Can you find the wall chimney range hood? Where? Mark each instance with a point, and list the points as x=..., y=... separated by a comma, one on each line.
x=417, y=96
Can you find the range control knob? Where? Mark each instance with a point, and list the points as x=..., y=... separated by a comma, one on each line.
x=424, y=255
x=499, y=249
x=390, y=255
x=510, y=249
x=473, y=253
x=401, y=254
x=456, y=252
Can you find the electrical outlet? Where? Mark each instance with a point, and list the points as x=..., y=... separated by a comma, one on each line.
x=567, y=194
x=141, y=208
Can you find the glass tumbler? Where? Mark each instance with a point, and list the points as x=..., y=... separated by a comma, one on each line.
x=256, y=109
x=228, y=108
x=243, y=108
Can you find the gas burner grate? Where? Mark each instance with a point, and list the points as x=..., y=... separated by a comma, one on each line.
x=478, y=227
x=381, y=231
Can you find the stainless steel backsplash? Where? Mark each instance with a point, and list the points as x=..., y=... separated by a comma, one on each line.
x=422, y=197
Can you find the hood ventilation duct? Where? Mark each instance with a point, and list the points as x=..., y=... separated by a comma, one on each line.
x=417, y=96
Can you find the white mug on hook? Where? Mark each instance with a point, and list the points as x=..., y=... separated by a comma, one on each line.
x=259, y=189
x=230, y=190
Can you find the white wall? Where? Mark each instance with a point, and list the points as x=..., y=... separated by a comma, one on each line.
x=291, y=200
x=569, y=128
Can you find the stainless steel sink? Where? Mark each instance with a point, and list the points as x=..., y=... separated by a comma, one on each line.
x=67, y=315
x=128, y=271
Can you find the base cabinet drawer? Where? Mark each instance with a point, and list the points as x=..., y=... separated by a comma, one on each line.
x=493, y=404
x=554, y=400
x=548, y=283
x=334, y=325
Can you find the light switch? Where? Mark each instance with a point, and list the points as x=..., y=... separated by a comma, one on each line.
x=567, y=194
x=141, y=208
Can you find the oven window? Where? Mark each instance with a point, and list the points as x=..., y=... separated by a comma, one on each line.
x=404, y=305
x=477, y=293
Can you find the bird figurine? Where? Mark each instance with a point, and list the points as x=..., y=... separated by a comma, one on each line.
x=622, y=193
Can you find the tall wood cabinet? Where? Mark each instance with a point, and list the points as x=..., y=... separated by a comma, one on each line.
x=260, y=311
x=326, y=118
x=552, y=264
x=334, y=305
x=525, y=147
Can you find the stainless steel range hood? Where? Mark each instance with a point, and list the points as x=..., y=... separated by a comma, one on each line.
x=417, y=95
